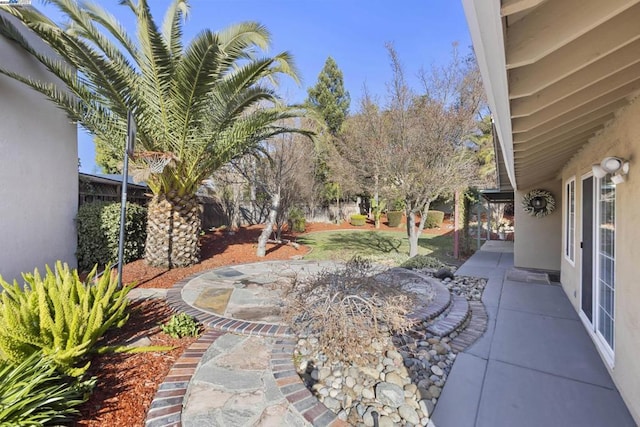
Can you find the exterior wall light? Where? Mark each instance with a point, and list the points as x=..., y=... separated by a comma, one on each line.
x=614, y=165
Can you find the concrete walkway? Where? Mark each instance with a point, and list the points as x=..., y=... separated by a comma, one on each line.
x=535, y=365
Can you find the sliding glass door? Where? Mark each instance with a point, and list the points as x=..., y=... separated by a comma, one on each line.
x=605, y=261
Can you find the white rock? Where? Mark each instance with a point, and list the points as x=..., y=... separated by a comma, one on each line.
x=436, y=370
x=368, y=393
x=395, y=379
x=389, y=394
x=409, y=414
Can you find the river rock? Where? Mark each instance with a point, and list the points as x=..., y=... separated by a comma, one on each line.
x=372, y=372
x=332, y=404
x=389, y=394
x=409, y=414
x=394, y=378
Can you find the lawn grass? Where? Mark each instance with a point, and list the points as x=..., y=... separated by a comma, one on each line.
x=342, y=245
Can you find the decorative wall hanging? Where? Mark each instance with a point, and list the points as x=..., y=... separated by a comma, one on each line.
x=538, y=203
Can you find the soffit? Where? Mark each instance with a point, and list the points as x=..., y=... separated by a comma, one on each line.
x=570, y=66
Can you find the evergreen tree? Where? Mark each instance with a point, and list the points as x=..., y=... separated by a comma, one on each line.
x=329, y=97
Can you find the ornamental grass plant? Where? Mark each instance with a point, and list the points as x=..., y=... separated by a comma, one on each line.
x=33, y=393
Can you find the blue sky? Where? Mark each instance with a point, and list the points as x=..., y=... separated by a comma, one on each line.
x=353, y=32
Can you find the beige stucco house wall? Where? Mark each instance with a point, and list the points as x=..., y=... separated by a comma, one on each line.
x=38, y=173
x=620, y=138
x=538, y=241
x=563, y=84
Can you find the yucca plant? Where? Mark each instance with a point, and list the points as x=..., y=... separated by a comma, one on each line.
x=59, y=315
x=202, y=104
x=32, y=393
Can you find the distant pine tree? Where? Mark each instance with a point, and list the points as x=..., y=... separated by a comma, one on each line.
x=329, y=97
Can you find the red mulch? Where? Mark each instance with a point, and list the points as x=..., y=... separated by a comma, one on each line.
x=127, y=382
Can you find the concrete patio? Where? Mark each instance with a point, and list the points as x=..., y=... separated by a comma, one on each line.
x=535, y=365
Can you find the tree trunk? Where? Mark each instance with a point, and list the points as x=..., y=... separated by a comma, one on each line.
x=271, y=219
x=376, y=197
x=413, y=231
x=173, y=228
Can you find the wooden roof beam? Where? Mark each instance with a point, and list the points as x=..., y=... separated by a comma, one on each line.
x=597, y=44
x=564, y=127
x=527, y=149
x=580, y=104
x=511, y=7
x=611, y=66
x=550, y=154
x=555, y=24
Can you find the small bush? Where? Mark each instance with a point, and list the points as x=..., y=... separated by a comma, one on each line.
x=358, y=220
x=394, y=218
x=398, y=205
x=99, y=230
x=33, y=394
x=422, y=261
x=434, y=219
x=347, y=309
x=181, y=325
x=59, y=315
x=297, y=222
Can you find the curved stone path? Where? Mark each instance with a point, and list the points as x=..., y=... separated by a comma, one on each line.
x=240, y=372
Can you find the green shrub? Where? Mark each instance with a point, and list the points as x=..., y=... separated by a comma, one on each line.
x=398, y=205
x=59, y=315
x=181, y=325
x=422, y=261
x=33, y=394
x=99, y=229
x=394, y=218
x=358, y=220
x=434, y=219
x=297, y=222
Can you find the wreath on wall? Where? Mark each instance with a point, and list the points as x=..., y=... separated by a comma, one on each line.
x=538, y=203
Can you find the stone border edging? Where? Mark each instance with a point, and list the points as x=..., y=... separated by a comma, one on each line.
x=213, y=321
x=476, y=327
x=295, y=391
x=166, y=407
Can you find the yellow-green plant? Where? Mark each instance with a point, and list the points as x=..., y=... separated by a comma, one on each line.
x=60, y=315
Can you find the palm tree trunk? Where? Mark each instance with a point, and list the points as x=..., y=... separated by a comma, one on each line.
x=173, y=228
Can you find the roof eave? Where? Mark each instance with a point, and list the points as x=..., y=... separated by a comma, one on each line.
x=485, y=27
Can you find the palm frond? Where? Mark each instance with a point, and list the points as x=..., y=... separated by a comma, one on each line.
x=172, y=26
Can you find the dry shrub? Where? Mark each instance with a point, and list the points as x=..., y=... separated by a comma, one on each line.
x=348, y=308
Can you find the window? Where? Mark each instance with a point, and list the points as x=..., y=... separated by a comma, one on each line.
x=605, y=256
x=570, y=221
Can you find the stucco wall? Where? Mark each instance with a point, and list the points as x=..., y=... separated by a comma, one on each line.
x=38, y=173
x=621, y=138
x=538, y=241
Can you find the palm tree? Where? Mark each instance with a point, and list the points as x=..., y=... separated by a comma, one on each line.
x=201, y=105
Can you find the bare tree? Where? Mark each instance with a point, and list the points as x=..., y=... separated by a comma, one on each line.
x=419, y=139
x=283, y=173
x=366, y=146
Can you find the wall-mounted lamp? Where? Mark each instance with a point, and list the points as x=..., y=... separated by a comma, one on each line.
x=614, y=165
